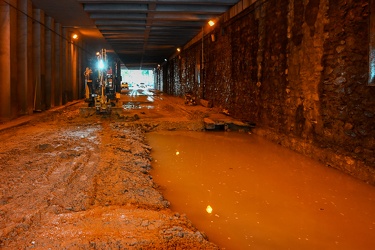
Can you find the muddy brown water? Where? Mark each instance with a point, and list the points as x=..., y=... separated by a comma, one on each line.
x=262, y=196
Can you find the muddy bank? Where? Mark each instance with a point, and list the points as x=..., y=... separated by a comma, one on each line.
x=73, y=182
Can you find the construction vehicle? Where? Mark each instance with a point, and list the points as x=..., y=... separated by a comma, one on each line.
x=101, y=93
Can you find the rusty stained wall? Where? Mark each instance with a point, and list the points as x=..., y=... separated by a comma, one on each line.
x=299, y=70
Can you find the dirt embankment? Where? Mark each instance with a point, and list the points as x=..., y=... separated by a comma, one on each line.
x=69, y=182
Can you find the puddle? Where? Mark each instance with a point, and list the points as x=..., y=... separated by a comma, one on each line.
x=137, y=105
x=247, y=193
x=81, y=133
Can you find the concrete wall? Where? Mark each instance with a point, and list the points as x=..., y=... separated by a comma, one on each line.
x=298, y=69
x=40, y=67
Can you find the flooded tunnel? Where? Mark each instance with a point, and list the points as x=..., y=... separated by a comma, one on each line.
x=257, y=132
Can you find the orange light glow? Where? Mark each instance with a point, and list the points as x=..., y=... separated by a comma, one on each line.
x=211, y=23
x=75, y=36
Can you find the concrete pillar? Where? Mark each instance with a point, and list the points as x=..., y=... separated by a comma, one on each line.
x=118, y=75
x=22, y=60
x=69, y=82
x=58, y=65
x=49, y=58
x=85, y=55
x=39, y=60
x=64, y=61
x=8, y=23
x=75, y=65
x=80, y=74
x=25, y=87
x=13, y=60
x=5, y=61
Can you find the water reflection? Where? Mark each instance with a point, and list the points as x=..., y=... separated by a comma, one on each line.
x=134, y=100
x=260, y=195
x=137, y=105
x=209, y=209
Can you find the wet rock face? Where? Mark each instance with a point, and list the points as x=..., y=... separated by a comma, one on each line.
x=296, y=68
x=345, y=97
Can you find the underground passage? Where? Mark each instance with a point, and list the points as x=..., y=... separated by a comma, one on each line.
x=216, y=124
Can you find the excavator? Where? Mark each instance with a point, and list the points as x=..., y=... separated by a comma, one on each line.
x=103, y=90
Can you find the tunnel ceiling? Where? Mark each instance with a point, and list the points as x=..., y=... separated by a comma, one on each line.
x=141, y=32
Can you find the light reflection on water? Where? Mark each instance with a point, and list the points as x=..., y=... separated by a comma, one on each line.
x=260, y=195
x=137, y=105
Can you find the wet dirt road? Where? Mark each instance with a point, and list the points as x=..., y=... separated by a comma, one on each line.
x=83, y=182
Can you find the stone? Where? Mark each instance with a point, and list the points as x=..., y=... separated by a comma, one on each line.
x=340, y=49
x=339, y=80
x=206, y=103
x=208, y=123
x=348, y=126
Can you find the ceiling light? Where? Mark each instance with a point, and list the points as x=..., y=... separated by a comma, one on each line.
x=75, y=36
x=211, y=23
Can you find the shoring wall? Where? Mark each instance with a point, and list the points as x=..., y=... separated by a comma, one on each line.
x=296, y=68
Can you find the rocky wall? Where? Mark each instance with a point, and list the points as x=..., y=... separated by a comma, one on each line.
x=299, y=70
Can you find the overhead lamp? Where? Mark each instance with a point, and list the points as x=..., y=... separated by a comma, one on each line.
x=211, y=23
x=75, y=36
x=178, y=49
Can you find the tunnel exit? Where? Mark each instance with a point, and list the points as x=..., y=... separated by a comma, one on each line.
x=138, y=79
